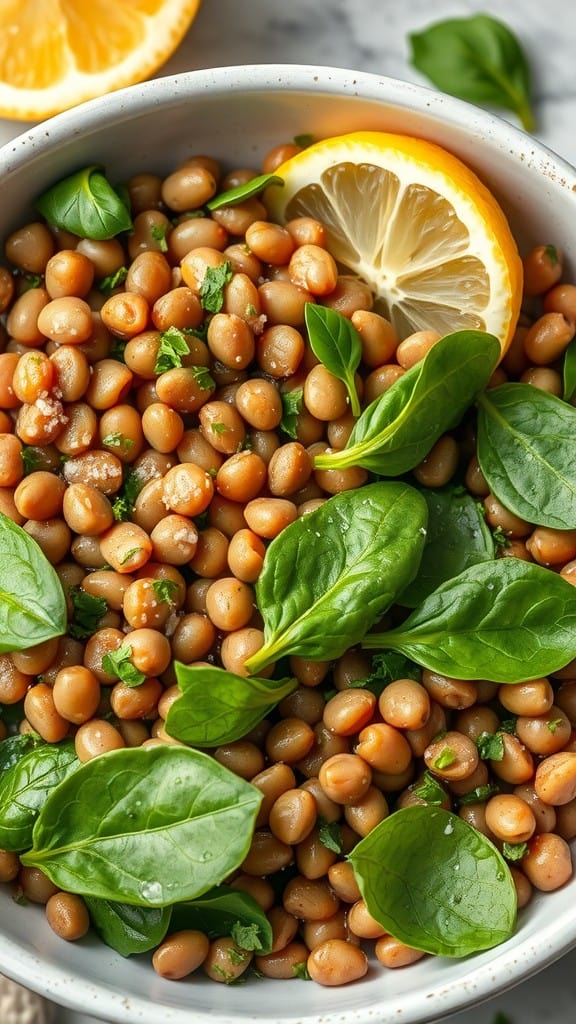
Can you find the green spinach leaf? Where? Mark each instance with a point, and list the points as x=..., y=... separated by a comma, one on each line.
x=398, y=429
x=507, y=620
x=451, y=895
x=227, y=911
x=25, y=788
x=217, y=706
x=13, y=748
x=147, y=826
x=331, y=574
x=32, y=601
x=128, y=929
x=477, y=59
x=525, y=450
x=569, y=372
x=246, y=191
x=457, y=537
x=85, y=204
x=336, y=343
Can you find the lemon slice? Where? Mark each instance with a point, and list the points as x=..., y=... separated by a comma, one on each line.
x=55, y=54
x=416, y=224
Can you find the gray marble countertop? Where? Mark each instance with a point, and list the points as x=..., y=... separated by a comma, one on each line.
x=372, y=35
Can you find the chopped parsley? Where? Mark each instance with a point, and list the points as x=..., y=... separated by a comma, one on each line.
x=87, y=612
x=203, y=378
x=301, y=971
x=491, y=746
x=212, y=288
x=291, y=409
x=514, y=851
x=123, y=504
x=165, y=590
x=386, y=668
x=246, y=936
x=115, y=280
x=118, y=663
x=158, y=232
x=330, y=835
x=31, y=458
x=118, y=440
x=430, y=790
x=478, y=795
x=445, y=758
x=173, y=346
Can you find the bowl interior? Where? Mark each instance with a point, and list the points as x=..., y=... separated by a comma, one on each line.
x=237, y=114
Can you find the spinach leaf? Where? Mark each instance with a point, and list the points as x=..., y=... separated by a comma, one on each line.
x=128, y=929
x=477, y=59
x=32, y=601
x=147, y=826
x=526, y=452
x=569, y=372
x=85, y=204
x=457, y=537
x=25, y=788
x=246, y=191
x=13, y=748
x=217, y=706
x=507, y=620
x=336, y=343
x=331, y=574
x=451, y=895
x=227, y=911
x=398, y=429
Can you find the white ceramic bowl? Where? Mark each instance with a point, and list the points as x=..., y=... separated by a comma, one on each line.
x=237, y=114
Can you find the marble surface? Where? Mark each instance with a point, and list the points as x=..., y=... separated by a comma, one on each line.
x=372, y=35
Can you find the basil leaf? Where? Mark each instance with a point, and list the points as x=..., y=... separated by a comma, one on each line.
x=336, y=343
x=32, y=601
x=451, y=894
x=13, y=748
x=217, y=706
x=477, y=59
x=148, y=826
x=25, y=788
x=569, y=372
x=328, y=576
x=398, y=429
x=525, y=449
x=241, y=192
x=85, y=204
x=457, y=537
x=507, y=620
x=127, y=929
x=227, y=911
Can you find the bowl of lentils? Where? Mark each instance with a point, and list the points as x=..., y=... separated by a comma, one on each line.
x=287, y=552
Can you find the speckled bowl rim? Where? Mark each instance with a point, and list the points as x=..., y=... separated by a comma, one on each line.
x=434, y=988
